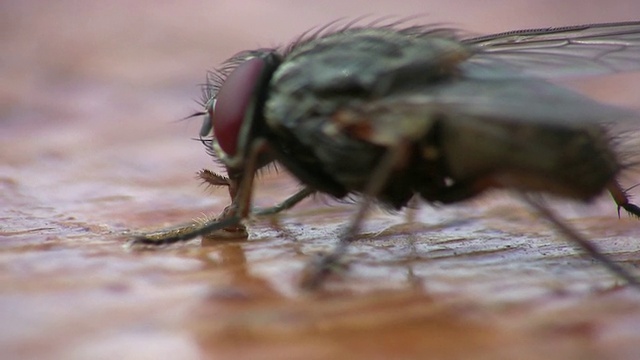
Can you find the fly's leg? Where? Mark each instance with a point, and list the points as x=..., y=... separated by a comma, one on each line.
x=582, y=242
x=241, y=189
x=236, y=231
x=467, y=190
x=212, y=179
x=317, y=270
x=185, y=233
x=288, y=203
x=622, y=199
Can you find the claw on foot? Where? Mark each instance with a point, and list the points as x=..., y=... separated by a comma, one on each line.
x=621, y=198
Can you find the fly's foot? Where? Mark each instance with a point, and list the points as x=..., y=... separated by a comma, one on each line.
x=319, y=268
x=160, y=237
x=631, y=209
x=622, y=199
x=236, y=232
x=226, y=226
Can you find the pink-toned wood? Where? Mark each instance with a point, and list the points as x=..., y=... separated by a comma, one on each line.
x=90, y=147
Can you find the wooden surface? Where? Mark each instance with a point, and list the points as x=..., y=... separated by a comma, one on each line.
x=89, y=148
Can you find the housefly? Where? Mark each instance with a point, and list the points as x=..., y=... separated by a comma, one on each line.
x=391, y=113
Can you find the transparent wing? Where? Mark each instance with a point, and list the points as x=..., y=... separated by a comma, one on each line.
x=509, y=101
x=523, y=100
x=583, y=50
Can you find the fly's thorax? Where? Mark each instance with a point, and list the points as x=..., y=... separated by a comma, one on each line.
x=321, y=76
x=322, y=82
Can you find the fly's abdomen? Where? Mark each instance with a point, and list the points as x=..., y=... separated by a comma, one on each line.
x=573, y=161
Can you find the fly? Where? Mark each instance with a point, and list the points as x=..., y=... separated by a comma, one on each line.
x=390, y=114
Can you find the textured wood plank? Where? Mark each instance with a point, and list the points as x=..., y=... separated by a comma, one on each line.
x=89, y=148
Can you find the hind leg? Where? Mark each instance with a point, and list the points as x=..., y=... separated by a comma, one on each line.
x=622, y=199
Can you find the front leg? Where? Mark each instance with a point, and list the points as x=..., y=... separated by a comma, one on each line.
x=240, y=185
x=288, y=203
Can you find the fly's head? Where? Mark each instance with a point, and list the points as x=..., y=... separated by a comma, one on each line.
x=234, y=97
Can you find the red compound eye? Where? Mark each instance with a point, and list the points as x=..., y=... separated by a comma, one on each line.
x=232, y=102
